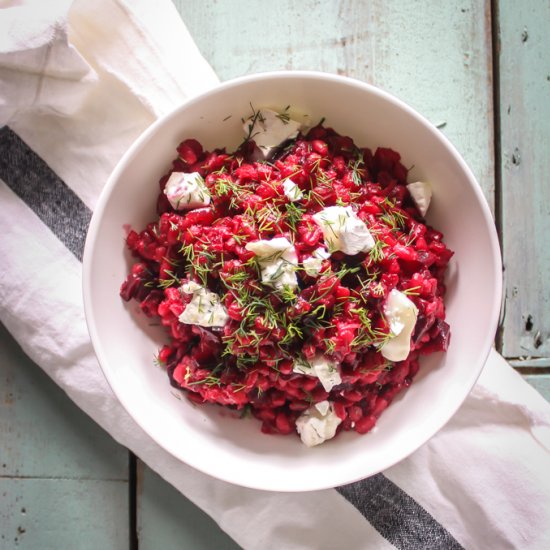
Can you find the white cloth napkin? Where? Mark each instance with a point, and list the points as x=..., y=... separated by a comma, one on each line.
x=76, y=88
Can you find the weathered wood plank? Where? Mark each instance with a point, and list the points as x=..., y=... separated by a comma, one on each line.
x=525, y=140
x=166, y=519
x=541, y=382
x=43, y=433
x=52, y=514
x=63, y=481
x=434, y=55
x=529, y=362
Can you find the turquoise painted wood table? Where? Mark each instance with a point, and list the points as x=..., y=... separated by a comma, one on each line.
x=480, y=70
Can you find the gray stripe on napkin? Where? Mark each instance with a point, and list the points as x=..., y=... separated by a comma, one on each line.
x=34, y=182
x=397, y=516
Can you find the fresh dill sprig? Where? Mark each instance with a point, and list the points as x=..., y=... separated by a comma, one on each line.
x=172, y=261
x=366, y=335
x=376, y=253
x=226, y=187
x=188, y=251
x=253, y=119
x=382, y=338
x=199, y=264
x=392, y=216
x=321, y=177
x=268, y=218
x=284, y=116
x=378, y=290
x=210, y=380
x=358, y=170
x=293, y=331
x=330, y=345
x=413, y=291
x=287, y=293
x=347, y=270
x=313, y=196
x=168, y=282
x=340, y=202
x=294, y=214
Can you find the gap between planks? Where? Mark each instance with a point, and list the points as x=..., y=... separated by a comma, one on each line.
x=497, y=153
x=132, y=501
x=64, y=478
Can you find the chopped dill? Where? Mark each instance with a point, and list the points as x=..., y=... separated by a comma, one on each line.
x=413, y=291
x=376, y=253
x=284, y=116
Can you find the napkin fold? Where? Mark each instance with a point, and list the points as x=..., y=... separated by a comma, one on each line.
x=78, y=83
x=41, y=70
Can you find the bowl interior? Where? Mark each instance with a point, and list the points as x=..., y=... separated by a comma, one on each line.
x=210, y=438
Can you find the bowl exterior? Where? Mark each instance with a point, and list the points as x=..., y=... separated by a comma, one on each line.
x=209, y=438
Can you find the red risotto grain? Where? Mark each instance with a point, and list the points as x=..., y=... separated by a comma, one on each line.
x=337, y=313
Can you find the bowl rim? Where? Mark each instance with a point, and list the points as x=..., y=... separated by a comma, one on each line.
x=97, y=216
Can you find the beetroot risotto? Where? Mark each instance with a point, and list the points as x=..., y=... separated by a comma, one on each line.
x=296, y=277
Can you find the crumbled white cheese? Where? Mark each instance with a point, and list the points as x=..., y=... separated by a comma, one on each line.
x=270, y=129
x=321, y=253
x=320, y=367
x=190, y=287
x=186, y=191
x=401, y=314
x=323, y=407
x=301, y=366
x=343, y=230
x=421, y=193
x=317, y=424
x=278, y=261
x=292, y=191
x=313, y=264
x=204, y=309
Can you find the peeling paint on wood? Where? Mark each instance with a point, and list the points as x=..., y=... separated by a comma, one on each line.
x=530, y=362
x=56, y=514
x=525, y=139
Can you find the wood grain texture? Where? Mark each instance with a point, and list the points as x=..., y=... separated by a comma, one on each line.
x=54, y=514
x=434, y=55
x=167, y=520
x=524, y=62
x=63, y=480
x=43, y=433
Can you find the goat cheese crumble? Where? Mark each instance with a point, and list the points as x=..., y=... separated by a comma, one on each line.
x=313, y=264
x=292, y=191
x=421, y=193
x=186, y=191
x=401, y=314
x=343, y=230
x=322, y=368
x=278, y=261
x=317, y=424
x=270, y=129
x=204, y=309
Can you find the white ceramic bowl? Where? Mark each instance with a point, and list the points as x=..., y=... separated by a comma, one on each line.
x=211, y=439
